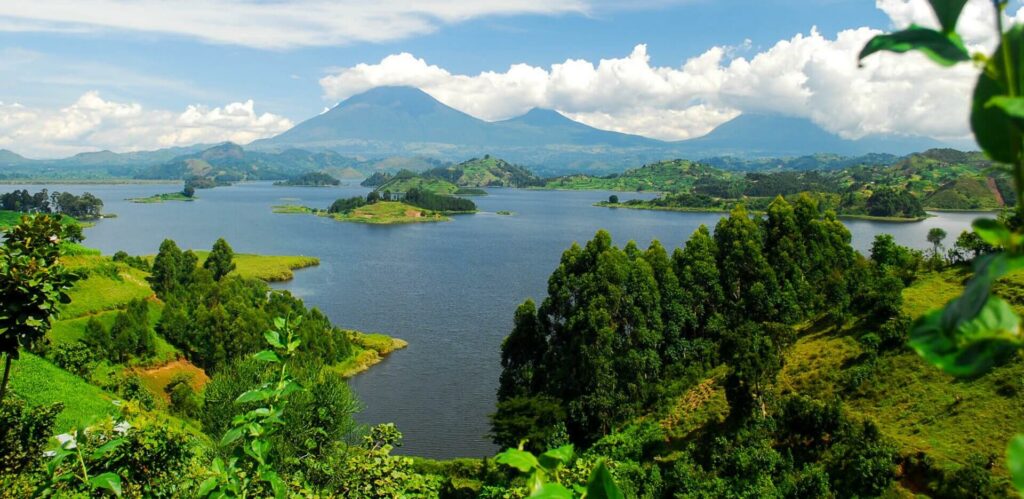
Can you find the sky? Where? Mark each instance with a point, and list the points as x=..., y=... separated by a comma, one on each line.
x=87, y=75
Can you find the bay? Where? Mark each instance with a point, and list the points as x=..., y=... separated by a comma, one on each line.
x=449, y=289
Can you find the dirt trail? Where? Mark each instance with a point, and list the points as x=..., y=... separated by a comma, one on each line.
x=991, y=182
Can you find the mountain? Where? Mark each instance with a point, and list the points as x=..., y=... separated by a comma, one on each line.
x=765, y=135
x=485, y=172
x=405, y=121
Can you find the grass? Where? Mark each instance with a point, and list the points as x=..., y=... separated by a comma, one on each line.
x=270, y=268
x=109, y=286
x=915, y=404
x=160, y=198
x=369, y=350
x=381, y=213
x=39, y=382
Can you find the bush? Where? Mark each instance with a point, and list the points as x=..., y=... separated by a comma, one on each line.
x=24, y=433
x=73, y=357
x=183, y=398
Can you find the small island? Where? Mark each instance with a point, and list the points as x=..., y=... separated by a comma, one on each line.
x=310, y=179
x=385, y=208
x=186, y=194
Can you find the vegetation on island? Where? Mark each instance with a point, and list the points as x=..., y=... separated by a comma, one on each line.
x=188, y=193
x=385, y=208
x=310, y=179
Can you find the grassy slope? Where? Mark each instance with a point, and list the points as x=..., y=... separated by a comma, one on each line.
x=436, y=186
x=270, y=268
x=915, y=404
x=39, y=382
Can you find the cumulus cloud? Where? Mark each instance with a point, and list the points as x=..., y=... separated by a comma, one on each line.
x=808, y=75
x=93, y=123
x=272, y=24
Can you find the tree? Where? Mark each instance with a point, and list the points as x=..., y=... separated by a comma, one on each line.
x=747, y=278
x=372, y=197
x=613, y=199
x=189, y=191
x=935, y=236
x=220, y=263
x=168, y=269
x=522, y=354
x=32, y=283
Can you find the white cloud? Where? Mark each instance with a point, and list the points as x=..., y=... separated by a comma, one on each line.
x=807, y=75
x=272, y=24
x=92, y=123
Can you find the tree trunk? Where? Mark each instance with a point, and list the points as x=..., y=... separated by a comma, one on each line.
x=7, y=375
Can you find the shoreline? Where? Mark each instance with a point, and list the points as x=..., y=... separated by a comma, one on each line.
x=684, y=209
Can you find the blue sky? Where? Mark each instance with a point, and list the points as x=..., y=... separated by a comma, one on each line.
x=172, y=71
x=142, y=74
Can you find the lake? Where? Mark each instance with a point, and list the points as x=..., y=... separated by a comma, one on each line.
x=449, y=289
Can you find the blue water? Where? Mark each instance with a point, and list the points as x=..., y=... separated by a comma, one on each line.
x=449, y=289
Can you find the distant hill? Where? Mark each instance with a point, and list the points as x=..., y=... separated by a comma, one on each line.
x=762, y=135
x=406, y=180
x=485, y=172
x=674, y=175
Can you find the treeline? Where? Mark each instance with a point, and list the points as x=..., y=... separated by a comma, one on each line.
x=215, y=318
x=622, y=330
x=436, y=202
x=415, y=197
x=316, y=179
x=85, y=207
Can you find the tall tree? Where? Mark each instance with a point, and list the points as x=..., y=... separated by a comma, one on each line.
x=935, y=236
x=522, y=354
x=167, y=269
x=221, y=260
x=747, y=279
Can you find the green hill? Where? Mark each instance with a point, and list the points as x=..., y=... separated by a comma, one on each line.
x=966, y=193
x=485, y=172
x=405, y=181
x=675, y=175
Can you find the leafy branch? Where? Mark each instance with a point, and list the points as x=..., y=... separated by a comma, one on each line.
x=250, y=464
x=543, y=474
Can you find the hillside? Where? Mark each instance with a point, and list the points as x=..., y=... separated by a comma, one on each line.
x=664, y=176
x=405, y=181
x=485, y=172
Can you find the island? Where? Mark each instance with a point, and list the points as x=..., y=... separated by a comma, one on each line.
x=387, y=208
x=310, y=179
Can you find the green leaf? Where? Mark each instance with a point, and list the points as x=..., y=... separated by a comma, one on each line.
x=107, y=448
x=972, y=347
x=280, y=323
x=518, y=459
x=231, y=435
x=267, y=356
x=948, y=12
x=556, y=457
x=274, y=338
x=992, y=231
x=254, y=396
x=946, y=49
x=108, y=481
x=552, y=491
x=997, y=133
x=1015, y=461
x=280, y=490
x=207, y=486
x=601, y=485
